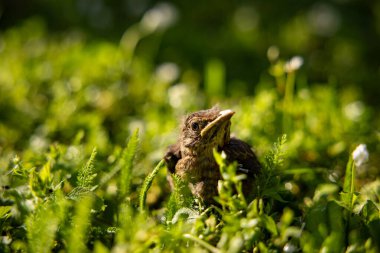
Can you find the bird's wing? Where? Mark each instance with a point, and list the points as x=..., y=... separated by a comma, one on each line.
x=241, y=152
x=172, y=156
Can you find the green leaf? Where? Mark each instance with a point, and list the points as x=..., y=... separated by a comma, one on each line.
x=349, y=179
x=78, y=235
x=202, y=243
x=269, y=224
x=148, y=182
x=189, y=213
x=287, y=217
x=336, y=222
x=100, y=248
x=347, y=196
x=273, y=193
x=87, y=174
x=218, y=158
x=41, y=228
x=44, y=173
x=374, y=229
x=181, y=197
x=370, y=212
x=126, y=164
x=332, y=244
x=325, y=191
x=347, y=200
x=297, y=171
x=316, y=222
x=4, y=211
x=275, y=158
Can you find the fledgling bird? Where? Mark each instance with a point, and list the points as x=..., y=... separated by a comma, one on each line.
x=191, y=158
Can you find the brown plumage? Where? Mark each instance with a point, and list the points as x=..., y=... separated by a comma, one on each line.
x=191, y=158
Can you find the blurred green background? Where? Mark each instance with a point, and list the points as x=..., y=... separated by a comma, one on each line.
x=338, y=39
x=99, y=69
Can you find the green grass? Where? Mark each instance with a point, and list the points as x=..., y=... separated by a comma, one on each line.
x=82, y=125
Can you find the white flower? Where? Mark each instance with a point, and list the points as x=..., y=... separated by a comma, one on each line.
x=30, y=204
x=354, y=110
x=293, y=64
x=289, y=247
x=179, y=95
x=159, y=17
x=273, y=53
x=167, y=72
x=360, y=155
x=6, y=239
x=112, y=189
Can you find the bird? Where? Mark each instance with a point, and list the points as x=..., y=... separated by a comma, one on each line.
x=191, y=157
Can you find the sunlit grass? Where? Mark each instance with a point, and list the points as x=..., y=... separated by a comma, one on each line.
x=83, y=125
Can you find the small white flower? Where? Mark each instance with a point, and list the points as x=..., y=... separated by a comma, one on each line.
x=289, y=247
x=72, y=153
x=159, y=17
x=179, y=95
x=293, y=64
x=273, y=53
x=360, y=155
x=289, y=186
x=167, y=72
x=354, y=110
x=112, y=189
x=30, y=204
x=6, y=239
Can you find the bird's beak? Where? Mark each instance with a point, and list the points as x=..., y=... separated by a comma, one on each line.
x=223, y=116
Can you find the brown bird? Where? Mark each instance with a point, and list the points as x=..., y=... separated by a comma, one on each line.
x=191, y=158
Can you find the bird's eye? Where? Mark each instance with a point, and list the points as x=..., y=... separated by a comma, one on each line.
x=195, y=126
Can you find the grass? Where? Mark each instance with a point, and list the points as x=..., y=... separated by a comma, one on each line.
x=84, y=124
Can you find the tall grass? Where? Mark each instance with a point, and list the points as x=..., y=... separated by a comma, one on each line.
x=59, y=194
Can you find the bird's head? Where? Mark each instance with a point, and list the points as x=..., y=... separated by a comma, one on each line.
x=204, y=130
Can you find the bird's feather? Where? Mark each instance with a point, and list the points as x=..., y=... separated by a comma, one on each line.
x=239, y=151
x=172, y=156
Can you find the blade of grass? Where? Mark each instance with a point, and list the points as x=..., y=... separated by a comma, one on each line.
x=204, y=244
x=349, y=184
x=297, y=171
x=77, y=236
x=41, y=229
x=215, y=78
x=126, y=164
x=148, y=182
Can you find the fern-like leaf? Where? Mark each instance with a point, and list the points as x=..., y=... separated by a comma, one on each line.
x=41, y=228
x=80, y=223
x=87, y=174
x=268, y=183
x=85, y=179
x=125, y=164
x=148, y=182
x=180, y=198
x=275, y=158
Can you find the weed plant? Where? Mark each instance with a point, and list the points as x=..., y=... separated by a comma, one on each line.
x=71, y=183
